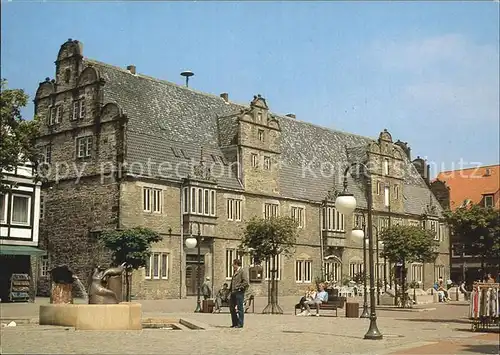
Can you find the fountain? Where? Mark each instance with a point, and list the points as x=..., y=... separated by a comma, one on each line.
x=104, y=310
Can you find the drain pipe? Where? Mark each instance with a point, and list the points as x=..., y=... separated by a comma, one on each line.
x=321, y=241
x=181, y=242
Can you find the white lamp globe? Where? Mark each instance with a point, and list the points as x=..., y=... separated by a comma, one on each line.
x=345, y=204
x=191, y=242
x=358, y=233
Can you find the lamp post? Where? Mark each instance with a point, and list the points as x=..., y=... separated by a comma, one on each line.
x=360, y=233
x=191, y=243
x=378, y=271
x=385, y=267
x=346, y=204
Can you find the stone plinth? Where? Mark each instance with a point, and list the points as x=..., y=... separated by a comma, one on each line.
x=122, y=316
x=61, y=293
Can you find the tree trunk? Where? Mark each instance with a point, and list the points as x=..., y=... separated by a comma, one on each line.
x=272, y=306
x=403, y=284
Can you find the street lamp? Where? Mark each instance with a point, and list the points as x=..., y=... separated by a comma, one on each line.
x=191, y=243
x=360, y=234
x=346, y=204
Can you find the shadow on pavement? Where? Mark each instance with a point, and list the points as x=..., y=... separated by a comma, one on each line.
x=482, y=349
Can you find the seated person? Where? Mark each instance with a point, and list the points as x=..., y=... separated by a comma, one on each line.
x=310, y=295
x=222, y=296
x=442, y=293
x=321, y=297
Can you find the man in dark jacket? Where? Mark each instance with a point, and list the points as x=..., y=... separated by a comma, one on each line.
x=239, y=284
x=206, y=290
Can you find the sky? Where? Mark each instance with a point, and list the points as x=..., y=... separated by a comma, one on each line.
x=426, y=71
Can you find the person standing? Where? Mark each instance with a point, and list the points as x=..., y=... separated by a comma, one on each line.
x=239, y=284
x=206, y=290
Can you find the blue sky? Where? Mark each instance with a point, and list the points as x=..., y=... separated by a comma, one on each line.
x=427, y=71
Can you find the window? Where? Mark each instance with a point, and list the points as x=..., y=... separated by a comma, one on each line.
x=271, y=210
x=355, y=268
x=261, y=135
x=157, y=266
x=383, y=223
x=434, y=229
x=259, y=117
x=20, y=209
x=396, y=192
x=55, y=114
x=488, y=201
x=212, y=203
x=416, y=272
x=297, y=213
x=386, y=166
x=255, y=160
x=3, y=207
x=333, y=220
x=333, y=271
x=44, y=266
x=233, y=209
x=206, y=202
x=176, y=152
x=152, y=200
x=273, y=263
x=386, y=196
x=439, y=272
x=378, y=188
x=42, y=207
x=230, y=256
x=267, y=163
x=303, y=271
x=84, y=147
x=202, y=201
x=185, y=199
x=193, y=199
x=47, y=153
x=78, y=109
x=456, y=250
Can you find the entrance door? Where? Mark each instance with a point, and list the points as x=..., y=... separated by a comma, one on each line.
x=191, y=275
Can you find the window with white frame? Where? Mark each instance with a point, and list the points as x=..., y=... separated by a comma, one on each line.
x=157, y=266
x=387, y=197
x=84, y=146
x=3, y=208
x=231, y=254
x=20, y=209
x=233, y=209
x=333, y=220
x=199, y=201
x=386, y=166
x=42, y=207
x=413, y=223
x=55, y=115
x=297, y=213
x=303, y=271
x=355, y=268
x=416, y=272
x=333, y=271
x=267, y=163
x=255, y=160
x=488, y=201
x=261, y=135
x=47, y=153
x=433, y=228
x=44, y=266
x=78, y=109
x=152, y=200
x=439, y=272
x=273, y=263
x=271, y=210
x=396, y=192
x=378, y=188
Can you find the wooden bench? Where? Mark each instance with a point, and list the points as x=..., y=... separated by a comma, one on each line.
x=332, y=305
x=248, y=302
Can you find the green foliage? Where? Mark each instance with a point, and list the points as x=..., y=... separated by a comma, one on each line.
x=131, y=246
x=477, y=228
x=360, y=277
x=269, y=237
x=409, y=244
x=17, y=135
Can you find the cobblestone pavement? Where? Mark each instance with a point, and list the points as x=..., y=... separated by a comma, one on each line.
x=269, y=334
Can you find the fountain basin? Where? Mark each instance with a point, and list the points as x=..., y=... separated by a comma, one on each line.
x=122, y=316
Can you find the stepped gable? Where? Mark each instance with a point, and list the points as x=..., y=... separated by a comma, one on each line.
x=163, y=115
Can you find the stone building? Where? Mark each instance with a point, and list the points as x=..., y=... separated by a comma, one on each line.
x=130, y=150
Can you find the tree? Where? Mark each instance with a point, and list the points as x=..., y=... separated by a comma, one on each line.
x=408, y=244
x=17, y=135
x=266, y=239
x=477, y=230
x=131, y=246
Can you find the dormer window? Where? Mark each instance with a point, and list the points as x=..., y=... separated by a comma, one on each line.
x=259, y=117
x=386, y=166
x=488, y=201
x=55, y=115
x=487, y=172
x=261, y=135
x=78, y=109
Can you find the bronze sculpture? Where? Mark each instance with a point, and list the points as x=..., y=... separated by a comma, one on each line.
x=99, y=291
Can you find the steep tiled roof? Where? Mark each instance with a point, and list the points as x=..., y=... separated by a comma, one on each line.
x=471, y=184
x=163, y=115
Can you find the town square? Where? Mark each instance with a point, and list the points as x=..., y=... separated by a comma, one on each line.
x=250, y=177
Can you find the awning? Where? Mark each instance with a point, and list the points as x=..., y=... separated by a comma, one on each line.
x=21, y=250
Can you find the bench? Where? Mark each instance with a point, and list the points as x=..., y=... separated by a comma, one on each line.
x=248, y=302
x=332, y=305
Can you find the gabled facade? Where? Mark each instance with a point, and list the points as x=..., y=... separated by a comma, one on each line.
x=20, y=210
x=146, y=152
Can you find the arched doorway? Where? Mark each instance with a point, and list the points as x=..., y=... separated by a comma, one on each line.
x=191, y=275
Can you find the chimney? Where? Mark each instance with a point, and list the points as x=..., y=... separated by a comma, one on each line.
x=291, y=115
x=225, y=96
x=131, y=69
